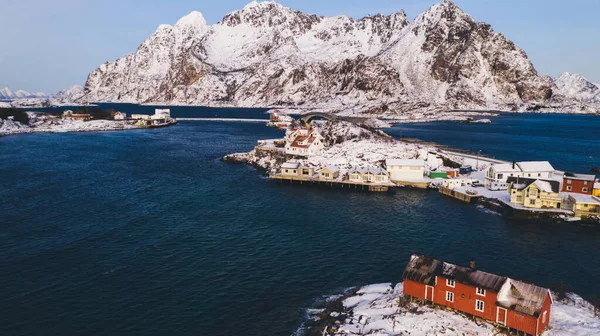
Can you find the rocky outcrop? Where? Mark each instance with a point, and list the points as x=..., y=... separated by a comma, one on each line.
x=268, y=55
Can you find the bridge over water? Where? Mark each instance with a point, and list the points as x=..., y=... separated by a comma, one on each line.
x=307, y=118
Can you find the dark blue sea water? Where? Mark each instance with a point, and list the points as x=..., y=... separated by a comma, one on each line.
x=569, y=142
x=147, y=232
x=176, y=111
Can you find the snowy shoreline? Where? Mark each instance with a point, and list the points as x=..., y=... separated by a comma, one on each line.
x=382, y=309
x=40, y=123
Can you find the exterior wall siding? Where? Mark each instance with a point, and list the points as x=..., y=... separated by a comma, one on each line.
x=415, y=289
x=465, y=299
x=401, y=173
x=578, y=186
x=547, y=308
x=521, y=322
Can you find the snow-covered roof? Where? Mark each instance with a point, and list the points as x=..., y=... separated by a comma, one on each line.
x=291, y=165
x=543, y=186
x=405, y=162
x=522, y=297
x=332, y=169
x=583, y=177
x=521, y=183
x=424, y=270
x=535, y=166
x=473, y=277
x=581, y=198
x=597, y=185
x=505, y=168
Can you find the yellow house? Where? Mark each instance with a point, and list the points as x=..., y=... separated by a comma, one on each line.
x=368, y=175
x=290, y=168
x=329, y=173
x=583, y=205
x=533, y=193
x=293, y=168
x=597, y=189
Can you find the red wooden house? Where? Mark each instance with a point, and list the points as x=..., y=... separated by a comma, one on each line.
x=578, y=183
x=506, y=302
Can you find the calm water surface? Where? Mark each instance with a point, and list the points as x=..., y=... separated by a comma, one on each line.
x=569, y=142
x=148, y=232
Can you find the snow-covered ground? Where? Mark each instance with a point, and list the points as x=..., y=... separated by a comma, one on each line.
x=40, y=123
x=382, y=309
x=44, y=102
x=347, y=145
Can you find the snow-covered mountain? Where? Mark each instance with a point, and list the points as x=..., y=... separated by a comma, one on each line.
x=577, y=87
x=6, y=93
x=268, y=55
x=70, y=94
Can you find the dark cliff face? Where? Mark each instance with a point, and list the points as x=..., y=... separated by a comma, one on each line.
x=266, y=54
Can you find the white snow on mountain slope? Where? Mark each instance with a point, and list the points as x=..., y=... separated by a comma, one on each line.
x=576, y=86
x=70, y=94
x=6, y=93
x=269, y=55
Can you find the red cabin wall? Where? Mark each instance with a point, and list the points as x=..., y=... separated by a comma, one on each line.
x=414, y=288
x=547, y=307
x=578, y=186
x=465, y=298
x=522, y=322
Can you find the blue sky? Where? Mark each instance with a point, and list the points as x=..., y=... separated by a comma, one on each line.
x=50, y=45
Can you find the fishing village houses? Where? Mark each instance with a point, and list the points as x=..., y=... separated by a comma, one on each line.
x=525, y=187
x=505, y=302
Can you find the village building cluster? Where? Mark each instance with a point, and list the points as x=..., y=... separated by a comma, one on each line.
x=527, y=185
x=537, y=185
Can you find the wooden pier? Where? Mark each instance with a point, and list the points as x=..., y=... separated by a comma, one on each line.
x=373, y=187
x=460, y=195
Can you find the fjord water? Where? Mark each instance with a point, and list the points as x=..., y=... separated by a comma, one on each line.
x=148, y=232
x=569, y=142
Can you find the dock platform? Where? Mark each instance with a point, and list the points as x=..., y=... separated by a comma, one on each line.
x=459, y=195
x=373, y=187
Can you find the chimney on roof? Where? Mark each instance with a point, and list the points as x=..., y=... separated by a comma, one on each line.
x=472, y=265
x=514, y=164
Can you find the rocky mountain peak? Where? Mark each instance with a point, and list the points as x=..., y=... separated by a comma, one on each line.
x=266, y=54
x=193, y=19
x=575, y=85
x=271, y=14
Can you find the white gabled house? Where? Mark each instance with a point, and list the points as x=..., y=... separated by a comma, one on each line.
x=497, y=175
x=303, y=142
x=536, y=169
x=405, y=169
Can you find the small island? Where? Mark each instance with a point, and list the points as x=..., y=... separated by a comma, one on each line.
x=356, y=154
x=86, y=119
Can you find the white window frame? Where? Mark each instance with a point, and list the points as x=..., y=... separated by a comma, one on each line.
x=569, y=188
x=449, y=295
x=480, y=291
x=477, y=302
x=544, y=317
x=498, y=315
x=450, y=283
